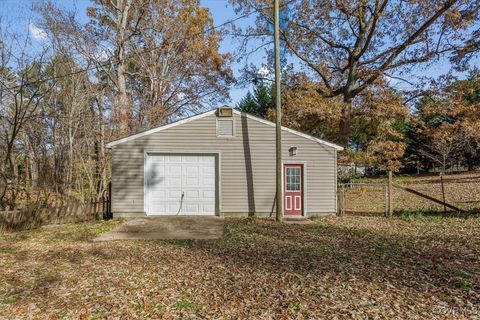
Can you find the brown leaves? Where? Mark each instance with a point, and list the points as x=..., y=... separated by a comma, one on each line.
x=450, y=123
x=335, y=268
x=380, y=112
x=306, y=110
x=387, y=153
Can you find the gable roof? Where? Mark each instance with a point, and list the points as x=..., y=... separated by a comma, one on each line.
x=212, y=112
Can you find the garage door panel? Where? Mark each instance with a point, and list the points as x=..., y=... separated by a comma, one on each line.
x=156, y=159
x=208, y=181
x=173, y=159
x=173, y=207
x=191, y=169
x=191, y=208
x=191, y=182
x=157, y=168
x=207, y=171
x=171, y=182
x=190, y=159
x=156, y=195
x=174, y=194
x=192, y=194
x=174, y=169
x=159, y=203
x=206, y=208
x=208, y=194
x=210, y=159
x=168, y=177
x=161, y=207
x=155, y=182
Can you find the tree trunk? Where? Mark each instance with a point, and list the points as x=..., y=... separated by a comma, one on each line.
x=32, y=176
x=12, y=179
x=123, y=114
x=101, y=178
x=345, y=123
x=123, y=109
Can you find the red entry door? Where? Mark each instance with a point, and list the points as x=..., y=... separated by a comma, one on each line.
x=293, y=189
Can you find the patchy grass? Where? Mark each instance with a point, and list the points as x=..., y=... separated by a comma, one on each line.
x=349, y=267
x=187, y=306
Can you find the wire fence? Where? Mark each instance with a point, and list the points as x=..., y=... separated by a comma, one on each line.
x=362, y=198
x=459, y=193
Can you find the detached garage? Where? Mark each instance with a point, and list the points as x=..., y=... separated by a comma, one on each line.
x=221, y=162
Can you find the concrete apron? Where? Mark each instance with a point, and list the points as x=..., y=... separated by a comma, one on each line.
x=167, y=228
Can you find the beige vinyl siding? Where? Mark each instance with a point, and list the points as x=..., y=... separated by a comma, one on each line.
x=247, y=165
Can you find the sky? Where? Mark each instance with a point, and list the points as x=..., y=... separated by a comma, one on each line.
x=16, y=14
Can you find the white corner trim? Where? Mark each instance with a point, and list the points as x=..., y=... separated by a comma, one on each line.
x=295, y=132
x=157, y=129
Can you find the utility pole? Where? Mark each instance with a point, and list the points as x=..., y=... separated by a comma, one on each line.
x=278, y=113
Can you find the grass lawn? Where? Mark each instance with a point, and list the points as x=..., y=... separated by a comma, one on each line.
x=348, y=267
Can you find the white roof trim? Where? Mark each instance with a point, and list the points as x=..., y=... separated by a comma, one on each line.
x=157, y=129
x=211, y=112
x=295, y=132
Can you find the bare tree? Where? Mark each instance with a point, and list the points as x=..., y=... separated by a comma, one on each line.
x=119, y=18
x=21, y=93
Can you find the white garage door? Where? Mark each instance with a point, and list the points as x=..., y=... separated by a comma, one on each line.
x=183, y=185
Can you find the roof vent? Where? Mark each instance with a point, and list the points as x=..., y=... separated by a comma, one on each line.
x=225, y=111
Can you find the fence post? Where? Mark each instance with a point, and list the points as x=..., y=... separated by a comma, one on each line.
x=390, y=193
x=343, y=200
x=339, y=201
x=110, y=216
x=443, y=194
x=385, y=192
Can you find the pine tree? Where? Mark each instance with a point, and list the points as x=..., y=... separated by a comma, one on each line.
x=257, y=103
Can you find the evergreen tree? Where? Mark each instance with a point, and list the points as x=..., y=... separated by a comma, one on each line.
x=259, y=102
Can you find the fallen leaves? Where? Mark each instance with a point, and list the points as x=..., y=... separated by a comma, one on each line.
x=349, y=267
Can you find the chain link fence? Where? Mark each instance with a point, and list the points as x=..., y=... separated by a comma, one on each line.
x=362, y=198
x=434, y=194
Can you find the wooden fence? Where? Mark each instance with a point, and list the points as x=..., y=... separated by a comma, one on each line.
x=59, y=213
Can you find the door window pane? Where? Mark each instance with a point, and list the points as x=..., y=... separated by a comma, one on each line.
x=293, y=179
